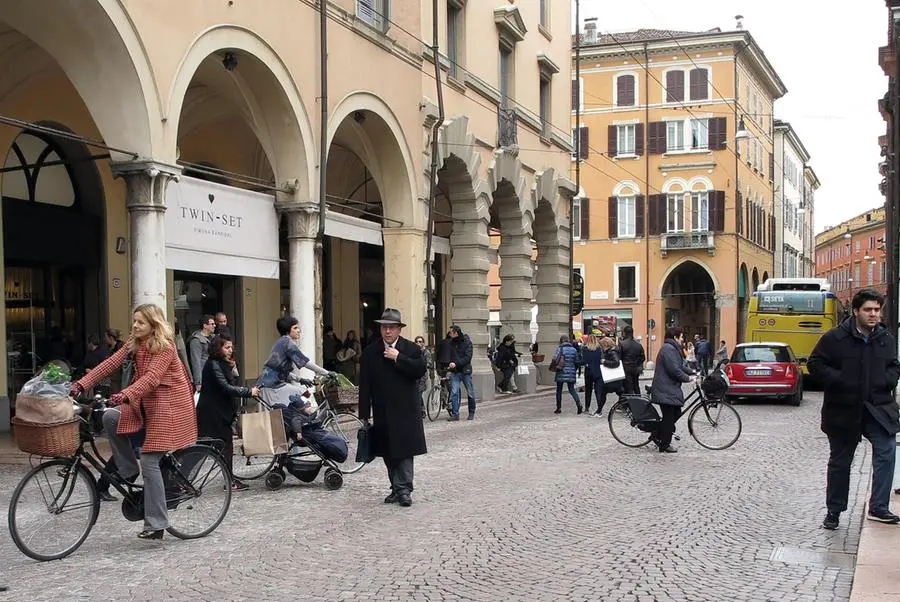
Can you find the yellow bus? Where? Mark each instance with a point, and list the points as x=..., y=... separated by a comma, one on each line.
x=796, y=311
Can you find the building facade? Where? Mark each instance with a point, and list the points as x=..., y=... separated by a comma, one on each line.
x=179, y=162
x=889, y=107
x=675, y=222
x=795, y=186
x=851, y=255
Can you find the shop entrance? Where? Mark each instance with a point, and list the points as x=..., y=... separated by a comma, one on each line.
x=197, y=295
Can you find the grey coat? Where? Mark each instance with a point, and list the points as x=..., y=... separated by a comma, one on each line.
x=199, y=352
x=669, y=375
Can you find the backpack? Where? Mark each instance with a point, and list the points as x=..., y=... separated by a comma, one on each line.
x=559, y=363
x=611, y=358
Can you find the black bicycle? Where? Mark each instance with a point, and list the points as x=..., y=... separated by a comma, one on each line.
x=712, y=421
x=55, y=506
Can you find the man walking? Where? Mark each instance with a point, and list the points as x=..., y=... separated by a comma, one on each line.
x=703, y=349
x=198, y=347
x=222, y=328
x=388, y=377
x=460, y=371
x=857, y=365
x=633, y=359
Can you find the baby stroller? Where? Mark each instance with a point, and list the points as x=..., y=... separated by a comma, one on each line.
x=312, y=447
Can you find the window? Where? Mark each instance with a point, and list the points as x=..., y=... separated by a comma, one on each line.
x=700, y=211
x=699, y=134
x=870, y=273
x=699, y=84
x=625, y=139
x=882, y=277
x=374, y=12
x=545, y=13
x=675, y=86
x=625, y=90
x=626, y=216
x=674, y=136
x=580, y=143
x=856, y=275
x=576, y=218
x=544, y=99
x=505, y=75
x=454, y=37
x=578, y=94
x=626, y=281
x=675, y=212
x=871, y=242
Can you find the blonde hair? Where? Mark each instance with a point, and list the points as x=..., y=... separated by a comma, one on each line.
x=593, y=342
x=161, y=333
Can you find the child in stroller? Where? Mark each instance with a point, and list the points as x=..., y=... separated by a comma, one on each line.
x=311, y=446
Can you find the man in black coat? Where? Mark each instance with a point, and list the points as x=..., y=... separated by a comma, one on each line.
x=633, y=359
x=388, y=393
x=856, y=362
x=460, y=372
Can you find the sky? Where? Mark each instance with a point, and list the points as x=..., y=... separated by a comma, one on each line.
x=827, y=56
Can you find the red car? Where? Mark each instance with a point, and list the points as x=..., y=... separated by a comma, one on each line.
x=765, y=370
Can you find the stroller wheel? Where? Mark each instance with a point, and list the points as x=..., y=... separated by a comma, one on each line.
x=333, y=479
x=274, y=480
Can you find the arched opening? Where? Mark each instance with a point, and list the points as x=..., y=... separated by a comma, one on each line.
x=765, y=276
x=754, y=281
x=743, y=302
x=689, y=300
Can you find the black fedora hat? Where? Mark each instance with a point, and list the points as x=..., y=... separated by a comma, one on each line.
x=390, y=316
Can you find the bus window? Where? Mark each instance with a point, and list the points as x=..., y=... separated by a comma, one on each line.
x=788, y=302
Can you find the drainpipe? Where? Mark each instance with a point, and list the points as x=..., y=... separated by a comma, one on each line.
x=432, y=174
x=323, y=171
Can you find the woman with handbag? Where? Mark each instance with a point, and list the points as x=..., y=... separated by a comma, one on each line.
x=592, y=358
x=507, y=362
x=565, y=363
x=158, y=401
x=215, y=409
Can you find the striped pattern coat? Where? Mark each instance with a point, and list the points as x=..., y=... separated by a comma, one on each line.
x=160, y=397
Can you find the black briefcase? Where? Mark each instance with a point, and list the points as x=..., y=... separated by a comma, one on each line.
x=365, y=448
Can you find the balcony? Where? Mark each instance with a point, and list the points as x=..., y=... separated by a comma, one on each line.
x=687, y=241
x=507, y=128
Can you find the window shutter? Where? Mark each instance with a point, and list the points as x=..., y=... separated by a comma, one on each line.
x=771, y=166
x=639, y=139
x=625, y=90
x=575, y=94
x=674, y=86
x=656, y=214
x=639, y=215
x=739, y=212
x=585, y=142
x=717, y=133
x=699, y=84
x=585, y=218
x=656, y=138
x=613, y=217
x=612, y=148
x=717, y=211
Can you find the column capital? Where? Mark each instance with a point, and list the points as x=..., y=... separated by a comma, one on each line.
x=302, y=219
x=146, y=182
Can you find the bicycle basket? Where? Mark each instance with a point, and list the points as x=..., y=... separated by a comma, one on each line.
x=715, y=386
x=340, y=397
x=54, y=440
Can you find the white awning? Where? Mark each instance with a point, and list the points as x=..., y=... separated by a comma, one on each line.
x=348, y=227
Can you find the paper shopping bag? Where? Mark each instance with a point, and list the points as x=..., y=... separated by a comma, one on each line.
x=263, y=433
x=611, y=375
x=522, y=370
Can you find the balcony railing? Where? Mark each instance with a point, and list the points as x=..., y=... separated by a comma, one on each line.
x=507, y=127
x=687, y=241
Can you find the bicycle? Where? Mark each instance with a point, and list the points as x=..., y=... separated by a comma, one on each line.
x=701, y=410
x=196, y=478
x=437, y=395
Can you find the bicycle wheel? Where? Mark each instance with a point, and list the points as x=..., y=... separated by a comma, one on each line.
x=433, y=403
x=247, y=468
x=53, y=509
x=622, y=427
x=198, y=491
x=346, y=425
x=715, y=424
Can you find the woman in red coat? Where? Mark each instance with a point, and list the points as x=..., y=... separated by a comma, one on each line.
x=159, y=400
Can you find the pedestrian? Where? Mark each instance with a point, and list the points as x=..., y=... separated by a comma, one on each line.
x=567, y=373
x=633, y=359
x=112, y=340
x=422, y=383
x=215, y=408
x=388, y=395
x=703, y=349
x=348, y=357
x=592, y=359
x=330, y=346
x=278, y=381
x=222, y=328
x=722, y=352
x=460, y=368
x=507, y=361
x=668, y=378
x=198, y=347
x=158, y=401
x=857, y=365
x=691, y=357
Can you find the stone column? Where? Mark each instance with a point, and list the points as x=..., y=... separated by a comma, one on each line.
x=404, y=277
x=552, y=284
x=302, y=229
x=470, y=261
x=146, y=183
x=516, y=273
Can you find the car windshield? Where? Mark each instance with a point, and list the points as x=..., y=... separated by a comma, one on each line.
x=762, y=353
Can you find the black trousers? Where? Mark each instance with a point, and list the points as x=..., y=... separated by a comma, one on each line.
x=400, y=473
x=632, y=381
x=667, y=427
x=505, y=383
x=593, y=385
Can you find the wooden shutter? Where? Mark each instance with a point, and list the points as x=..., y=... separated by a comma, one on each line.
x=717, y=133
x=625, y=90
x=639, y=215
x=612, y=145
x=675, y=86
x=585, y=218
x=717, y=210
x=656, y=214
x=613, y=217
x=739, y=212
x=656, y=138
x=771, y=166
x=585, y=142
x=639, y=139
x=575, y=94
x=699, y=84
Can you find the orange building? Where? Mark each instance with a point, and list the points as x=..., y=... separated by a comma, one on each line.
x=675, y=222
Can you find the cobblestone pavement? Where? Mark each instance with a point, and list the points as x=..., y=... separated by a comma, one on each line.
x=517, y=505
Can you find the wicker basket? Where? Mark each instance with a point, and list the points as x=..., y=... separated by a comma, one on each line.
x=56, y=440
x=341, y=397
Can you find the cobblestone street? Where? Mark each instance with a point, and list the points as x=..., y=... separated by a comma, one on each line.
x=517, y=505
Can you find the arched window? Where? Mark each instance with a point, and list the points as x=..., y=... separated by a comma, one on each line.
x=626, y=92
x=37, y=170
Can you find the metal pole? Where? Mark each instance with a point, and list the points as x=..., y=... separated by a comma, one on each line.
x=577, y=162
x=323, y=173
x=432, y=175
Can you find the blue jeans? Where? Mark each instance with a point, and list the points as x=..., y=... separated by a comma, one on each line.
x=884, y=450
x=572, y=390
x=466, y=379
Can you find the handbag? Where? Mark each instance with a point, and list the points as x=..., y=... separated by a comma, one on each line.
x=263, y=433
x=128, y=370
x=365, y=448
x=611, y=375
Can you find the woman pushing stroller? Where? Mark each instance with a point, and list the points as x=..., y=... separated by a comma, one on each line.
x=277, y=382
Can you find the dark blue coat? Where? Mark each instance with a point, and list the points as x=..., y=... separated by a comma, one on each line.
x=592, y=359
x=569, y=373
x=669, y=374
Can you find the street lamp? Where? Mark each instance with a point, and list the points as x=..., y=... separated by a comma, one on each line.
x=741, y=133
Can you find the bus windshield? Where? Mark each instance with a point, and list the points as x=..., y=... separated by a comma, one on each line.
x=791, y=302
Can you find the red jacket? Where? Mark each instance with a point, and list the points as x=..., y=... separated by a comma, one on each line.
x=160, y=397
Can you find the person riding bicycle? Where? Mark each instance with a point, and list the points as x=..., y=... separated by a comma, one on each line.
x=159, y=400
x=668, y=377
x=286, y=355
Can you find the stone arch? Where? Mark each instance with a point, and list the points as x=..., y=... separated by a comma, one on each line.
x=688, y=292
x=264, y=90
x=699, y=184
x=671, y=269
x=95, y=44
x=754, y=279
x=382, y=146
x=626, y=187
x=765, y=276
x=675, y=185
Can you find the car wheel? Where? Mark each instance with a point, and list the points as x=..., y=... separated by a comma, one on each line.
x=797, y=397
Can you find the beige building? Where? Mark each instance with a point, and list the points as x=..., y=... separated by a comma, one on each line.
x=169, y=152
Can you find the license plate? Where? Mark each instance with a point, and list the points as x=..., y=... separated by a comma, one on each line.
x=757, y=372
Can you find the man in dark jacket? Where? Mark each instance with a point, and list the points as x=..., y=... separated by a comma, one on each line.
x=460, y=371
x=856, y=363
x=388, y=392
x=668, y=378
x=703, y=350
x=633, y=359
